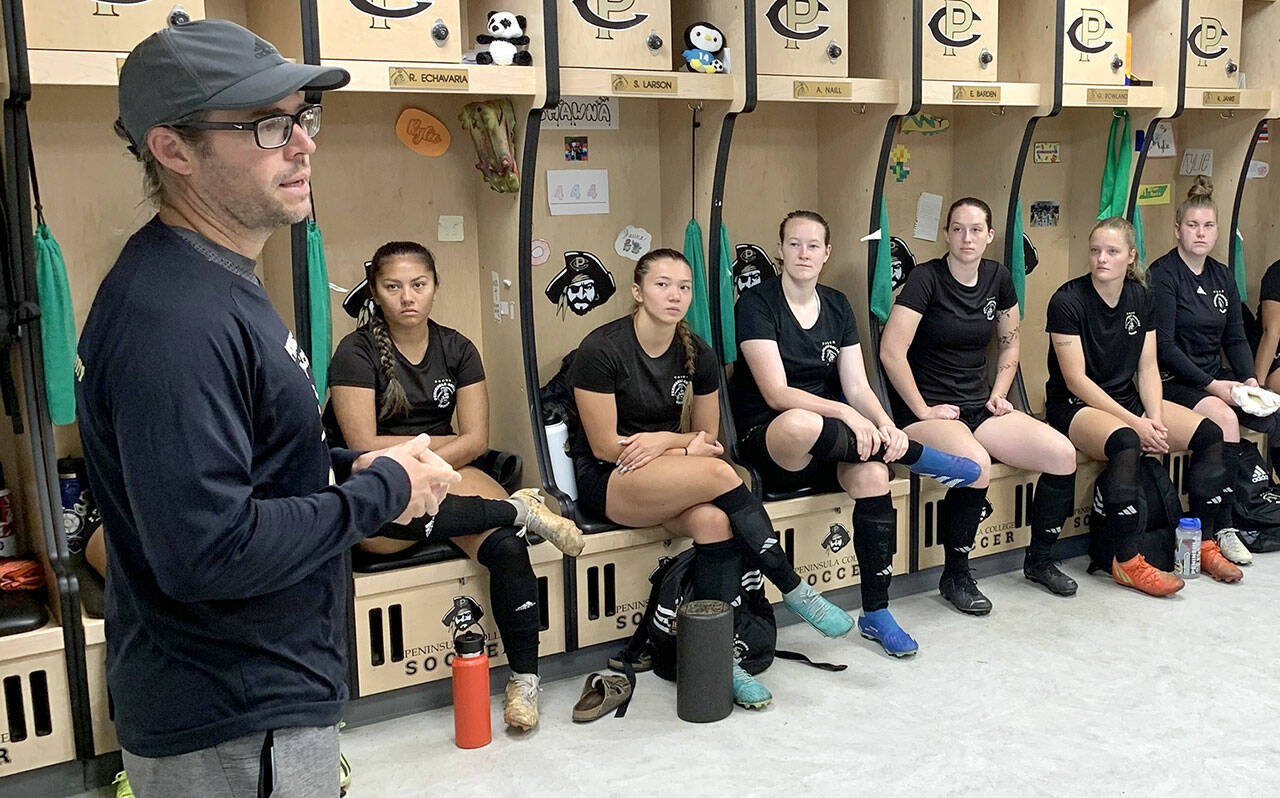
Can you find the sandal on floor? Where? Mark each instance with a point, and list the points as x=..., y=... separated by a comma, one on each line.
x=603, y=693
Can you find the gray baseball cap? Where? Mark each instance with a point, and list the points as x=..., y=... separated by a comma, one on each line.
x=208, y=64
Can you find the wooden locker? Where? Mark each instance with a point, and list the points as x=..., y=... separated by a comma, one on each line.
x=98, y=26
x=613, y=580
x=1093, y=47
x=959, y=40
x=617, y=34
x=35, y=705
x=360, y=30
x=1213, y=43
x=802, y=37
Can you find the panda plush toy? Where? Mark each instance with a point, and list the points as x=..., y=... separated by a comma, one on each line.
x=506, y=40
x=705, y=45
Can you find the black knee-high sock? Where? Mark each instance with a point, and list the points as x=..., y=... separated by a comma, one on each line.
x=875, y=542
x=513, y=595
x=459, y=515
x=837, y=444
x=753, y=531
x=959, y=513
x=1206, y=477
x=1055, y=493
x=717, y=571
x=1119, y=487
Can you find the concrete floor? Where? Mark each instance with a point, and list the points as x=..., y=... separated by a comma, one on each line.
x=1108, y=693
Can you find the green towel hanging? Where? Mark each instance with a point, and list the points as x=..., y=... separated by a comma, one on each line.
x=698, y=316
x=1018, y=260
x=728, y=328
x=1237, y=257
x=57, y=327
x=1114, y=195
x=321, y=320
x=882, y=287
x=1139, y=239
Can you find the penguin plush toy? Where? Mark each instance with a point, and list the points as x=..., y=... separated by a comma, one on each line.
x=705, y=48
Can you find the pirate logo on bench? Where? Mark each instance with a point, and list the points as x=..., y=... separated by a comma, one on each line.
x=750, y=262
x=464, y=613
x=582, y=286
x=837, y=538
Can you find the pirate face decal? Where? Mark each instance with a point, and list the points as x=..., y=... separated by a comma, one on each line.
x=901, y=261
x=584, y=284
x=751, y=266
x=465, y=612
x=1030, y=257
x=837, y=538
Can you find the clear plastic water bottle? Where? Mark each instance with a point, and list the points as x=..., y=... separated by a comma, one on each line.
x=1186, y=563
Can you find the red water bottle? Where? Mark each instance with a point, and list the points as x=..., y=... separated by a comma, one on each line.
x=471, y=727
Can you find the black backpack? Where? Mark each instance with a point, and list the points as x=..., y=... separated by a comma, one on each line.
x=1159, y=509
x=1257, y=501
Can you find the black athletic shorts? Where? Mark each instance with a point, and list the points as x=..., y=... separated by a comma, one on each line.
x=593, y=475
x=755, y=453
x=971, y=415
x=1059, y=415
x=1182, y=394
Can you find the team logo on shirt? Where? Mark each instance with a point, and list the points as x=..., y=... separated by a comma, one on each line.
x=829, y=352
x=1131, y=323
x=297, y=355
x=989, y=309
x=837, y=538
x=1220, y=300
x=443, y=393
x=680, y=389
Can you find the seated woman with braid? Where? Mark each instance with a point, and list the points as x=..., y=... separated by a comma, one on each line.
x=400, y=374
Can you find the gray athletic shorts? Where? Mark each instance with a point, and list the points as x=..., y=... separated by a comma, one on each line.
x=306, y=766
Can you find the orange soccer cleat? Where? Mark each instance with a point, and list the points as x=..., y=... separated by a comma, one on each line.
x=1214, y=564
x=1141, y=575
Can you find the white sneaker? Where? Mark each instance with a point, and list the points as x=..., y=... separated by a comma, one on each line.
x=1233, y=548
x=520, y=707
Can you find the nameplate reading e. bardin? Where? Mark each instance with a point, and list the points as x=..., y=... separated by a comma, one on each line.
x=644, y=84
x=821, y=90
x=418, y=79
x=1106, y=97
x=1222, y=98
x=975, y=94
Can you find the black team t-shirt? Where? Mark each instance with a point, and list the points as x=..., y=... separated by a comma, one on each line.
x=648, y=390
x=808, y=356
x=948, y=356
x=1198, y=318
x=1112, y=338
x=1270, y=292
x=431, y=386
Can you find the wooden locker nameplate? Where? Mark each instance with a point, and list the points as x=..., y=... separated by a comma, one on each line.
x=821, y=90
x=644, y=84
x=419, y=79
x=1222, y=98
x=975, y=94
x=1106, y=97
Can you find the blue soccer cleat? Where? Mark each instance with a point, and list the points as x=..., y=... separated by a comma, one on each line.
x=881, y=627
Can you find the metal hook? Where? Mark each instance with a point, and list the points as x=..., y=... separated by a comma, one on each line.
x=1227, y=114
x=1117, y=113
x=861, y=109
x=693, y=108
x=998, y=112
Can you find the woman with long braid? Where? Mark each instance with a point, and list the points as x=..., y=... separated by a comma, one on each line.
x=646, y=453
x=400, y=374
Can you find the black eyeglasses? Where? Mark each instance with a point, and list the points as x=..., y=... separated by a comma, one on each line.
x=270, y=132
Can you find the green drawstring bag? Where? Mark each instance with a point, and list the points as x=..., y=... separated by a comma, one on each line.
x=1237, y=258
x=1018, y=260
x=1114, y=195
x=728, y=327
x=57, y=327
x=699, y=317
x=882, y=287
x=321, y=321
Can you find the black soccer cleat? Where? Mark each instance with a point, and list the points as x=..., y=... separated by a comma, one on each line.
x=963, y=593
x=1046, y=573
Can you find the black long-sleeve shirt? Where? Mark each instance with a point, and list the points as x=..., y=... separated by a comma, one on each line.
x=1198, y=318
x=226, y=592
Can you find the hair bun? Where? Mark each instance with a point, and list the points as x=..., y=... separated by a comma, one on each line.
x=1201, y=187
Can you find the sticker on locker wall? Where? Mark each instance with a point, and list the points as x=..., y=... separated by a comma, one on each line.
x=608, y=15
x=574, y=192
x=1044, y=213
x=583, y=285
x=1162, y=144
x=582, y=113
x=1047, y=152
x=633, y=242
x=926, y=123
x=422, y=133
x=1258, y=169
x=1089, y=34
x=1154, y=194
x=797, y=20
x=539, y=251
x=1197, y=162
x=952, y=26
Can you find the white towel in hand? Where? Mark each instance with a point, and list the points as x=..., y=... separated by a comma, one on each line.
x=1256, y=401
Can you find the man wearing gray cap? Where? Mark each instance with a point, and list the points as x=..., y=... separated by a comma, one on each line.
x=226, y=588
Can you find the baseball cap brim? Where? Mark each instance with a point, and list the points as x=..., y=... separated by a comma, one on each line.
x=276, y=83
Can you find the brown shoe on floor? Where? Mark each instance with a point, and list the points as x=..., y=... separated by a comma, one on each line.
x=602, y=694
